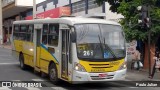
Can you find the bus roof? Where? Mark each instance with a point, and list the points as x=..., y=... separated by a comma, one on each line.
x=66, y=20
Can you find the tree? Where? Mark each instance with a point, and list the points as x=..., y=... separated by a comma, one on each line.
x=133, y=30
x=128, y=8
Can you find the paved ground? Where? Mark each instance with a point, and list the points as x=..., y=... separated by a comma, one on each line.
x=141, y=76
x=10, y=71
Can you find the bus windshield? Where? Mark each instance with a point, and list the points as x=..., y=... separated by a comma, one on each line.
x=99, y=42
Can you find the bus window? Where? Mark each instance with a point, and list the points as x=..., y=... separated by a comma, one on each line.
x=29, y=33
x=23, y=30
x=16, y=32
x=45, y=34
x=53, y=34
x=16, y=28
x=32, y=32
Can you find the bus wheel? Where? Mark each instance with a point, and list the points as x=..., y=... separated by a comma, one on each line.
x=53, y=75
x=21, y=59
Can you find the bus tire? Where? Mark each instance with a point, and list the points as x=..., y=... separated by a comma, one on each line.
x=53, y=75
x=21, y=60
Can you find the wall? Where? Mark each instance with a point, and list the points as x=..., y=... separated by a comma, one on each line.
x=79, y=9
x=6, y=2
x=24, y=2
x=95, y=10
x=73, y=1
x=51, y=5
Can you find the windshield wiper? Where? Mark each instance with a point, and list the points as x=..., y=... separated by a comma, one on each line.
x=101, y=45
x=109, y=49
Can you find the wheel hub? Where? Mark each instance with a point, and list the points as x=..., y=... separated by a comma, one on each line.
x=53, y=74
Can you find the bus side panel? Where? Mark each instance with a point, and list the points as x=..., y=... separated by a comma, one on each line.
x=28, y=53
x=38, y=57
x=31, y=53
x=44, y=64
x=31, y=61
x=15, y=53
x=18, y=45
x=17, y=48
x=45, y=58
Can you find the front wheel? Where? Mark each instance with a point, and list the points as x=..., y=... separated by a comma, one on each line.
x=21, y=60
x=53, y=75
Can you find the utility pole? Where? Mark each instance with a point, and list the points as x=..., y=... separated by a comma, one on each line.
x=35, y=46
x=145, y=21
x=34, y=9
x=149, y=36
x=1, y=24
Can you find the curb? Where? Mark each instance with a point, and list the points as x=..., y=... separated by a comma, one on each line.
x=6, y=47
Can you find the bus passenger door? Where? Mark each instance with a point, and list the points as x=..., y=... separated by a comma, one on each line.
x=65, y=54
x=37, y=44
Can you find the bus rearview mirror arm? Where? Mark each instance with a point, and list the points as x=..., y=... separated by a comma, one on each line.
x=73, y=37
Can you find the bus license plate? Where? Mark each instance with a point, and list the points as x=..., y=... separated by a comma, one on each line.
x=102, y=75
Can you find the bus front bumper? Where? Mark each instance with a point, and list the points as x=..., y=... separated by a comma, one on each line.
x=82, y=77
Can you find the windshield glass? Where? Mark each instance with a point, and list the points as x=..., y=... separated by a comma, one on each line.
x=100, y=41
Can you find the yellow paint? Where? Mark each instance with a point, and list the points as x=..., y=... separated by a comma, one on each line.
x=101, y=66
x=18, y=45
x=45, y=56
x=38, y=57
x=27, y=49
x=44, y=65
x=23, y=46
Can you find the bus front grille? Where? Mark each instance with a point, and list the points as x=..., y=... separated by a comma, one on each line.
x=100, y=78
x=100, y=66
x=103, y=67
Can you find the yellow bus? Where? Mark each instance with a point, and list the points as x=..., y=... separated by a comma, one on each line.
x=73, y=49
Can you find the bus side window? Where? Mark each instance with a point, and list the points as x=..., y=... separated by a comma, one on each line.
x=16, y=32
x=45, y=34
x=23, y=30
x=29, y=33
x=53, y=34
x=32, y=33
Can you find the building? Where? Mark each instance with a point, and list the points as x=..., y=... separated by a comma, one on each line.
x=11, y=11
x=22, y=10
x=85, y=8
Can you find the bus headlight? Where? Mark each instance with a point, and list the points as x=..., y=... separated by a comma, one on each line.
x=79, y=67
x=123, y=66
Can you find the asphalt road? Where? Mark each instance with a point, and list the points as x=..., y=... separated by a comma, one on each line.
x=10, y=71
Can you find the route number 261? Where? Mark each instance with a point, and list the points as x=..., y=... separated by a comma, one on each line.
x=88, y=53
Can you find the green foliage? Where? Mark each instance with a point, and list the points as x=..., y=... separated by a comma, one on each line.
x=128, y=8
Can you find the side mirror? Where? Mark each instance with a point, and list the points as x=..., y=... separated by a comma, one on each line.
x=73, y=37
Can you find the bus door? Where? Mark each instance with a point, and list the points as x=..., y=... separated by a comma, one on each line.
x=37, y=44
x=65, y=54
